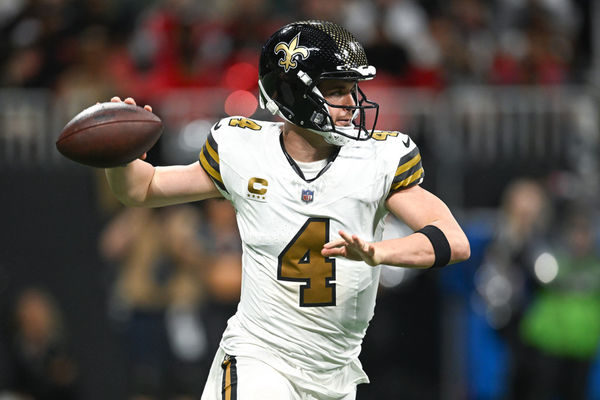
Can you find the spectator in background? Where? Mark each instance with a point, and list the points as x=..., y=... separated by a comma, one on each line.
x=560, y=330
x=505, y=278
x=41, y=367
x=156, y=299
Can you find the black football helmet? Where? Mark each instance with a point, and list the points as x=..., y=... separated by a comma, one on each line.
x=293, y=62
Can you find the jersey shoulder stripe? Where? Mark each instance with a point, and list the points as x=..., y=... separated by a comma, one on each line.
x=209, y=159
x=409, y=172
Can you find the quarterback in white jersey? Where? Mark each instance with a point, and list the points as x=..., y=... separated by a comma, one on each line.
x=310, y=194
x=295, y=301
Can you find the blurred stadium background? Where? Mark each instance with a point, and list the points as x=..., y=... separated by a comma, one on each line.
x=501, y=96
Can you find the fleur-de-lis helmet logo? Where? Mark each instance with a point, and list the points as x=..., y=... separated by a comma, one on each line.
x=291, y=53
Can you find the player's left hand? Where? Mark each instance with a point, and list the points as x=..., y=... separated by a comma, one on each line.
x=353, y=248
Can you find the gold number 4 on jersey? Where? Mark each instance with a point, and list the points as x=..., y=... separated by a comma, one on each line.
x=301, y=261
x=383, y=135
x=244, y=123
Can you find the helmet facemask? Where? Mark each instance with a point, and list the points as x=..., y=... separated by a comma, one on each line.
x=320, y=121
x=336, y=134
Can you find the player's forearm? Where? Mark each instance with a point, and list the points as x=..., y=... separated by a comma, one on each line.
x=416, y=250
x=131, y=183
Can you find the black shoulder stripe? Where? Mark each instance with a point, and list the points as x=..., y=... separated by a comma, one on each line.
x=213, y=143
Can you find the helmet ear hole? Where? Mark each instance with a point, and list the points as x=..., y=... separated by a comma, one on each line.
x=287, y=95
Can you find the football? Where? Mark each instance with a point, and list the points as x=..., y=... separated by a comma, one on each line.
x=109, y=135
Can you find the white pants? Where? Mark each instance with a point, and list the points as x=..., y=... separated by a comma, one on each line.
x=247, y=378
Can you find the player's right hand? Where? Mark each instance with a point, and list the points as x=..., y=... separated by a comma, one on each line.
x=130, y=100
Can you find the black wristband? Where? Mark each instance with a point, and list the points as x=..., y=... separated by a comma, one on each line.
x=441, y=247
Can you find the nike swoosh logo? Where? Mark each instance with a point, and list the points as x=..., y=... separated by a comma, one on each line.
x=407, y=142
x=217, y=125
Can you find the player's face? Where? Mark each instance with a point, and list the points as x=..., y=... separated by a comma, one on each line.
x=338, y=92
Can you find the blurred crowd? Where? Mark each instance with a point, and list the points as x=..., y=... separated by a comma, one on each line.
x=177, y=278
x=175, y=273
x=143, y=48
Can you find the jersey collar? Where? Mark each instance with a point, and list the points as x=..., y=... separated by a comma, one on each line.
x=295, y=166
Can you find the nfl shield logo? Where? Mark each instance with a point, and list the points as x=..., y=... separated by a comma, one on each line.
x=307, y=195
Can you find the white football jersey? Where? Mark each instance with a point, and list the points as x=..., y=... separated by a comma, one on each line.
x=296, y=304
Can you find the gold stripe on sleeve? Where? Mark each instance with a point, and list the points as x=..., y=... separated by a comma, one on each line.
x=408, y=180
x=212, y=152
x=406, y=166
x=214, y=173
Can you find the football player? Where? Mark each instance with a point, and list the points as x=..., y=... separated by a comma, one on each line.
x=311, y=193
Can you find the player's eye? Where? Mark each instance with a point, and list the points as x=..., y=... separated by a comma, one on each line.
x=337, y=92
